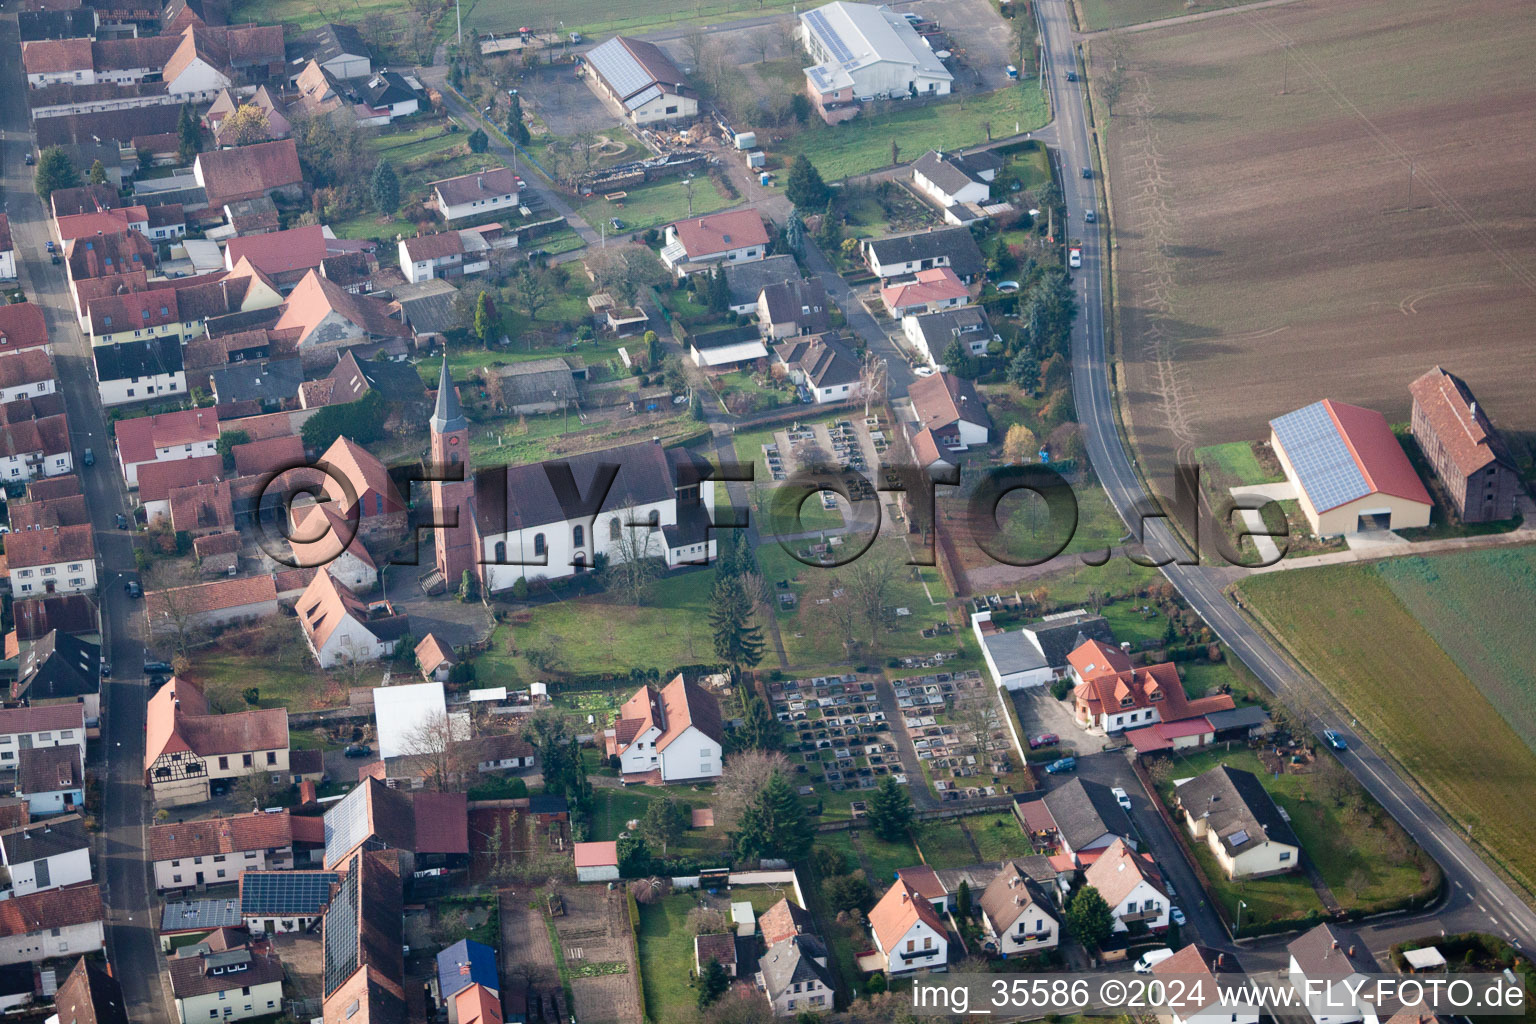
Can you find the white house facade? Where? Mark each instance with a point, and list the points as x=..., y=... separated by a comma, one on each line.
x=70, y=577
x=46, y=943
x=908, y=932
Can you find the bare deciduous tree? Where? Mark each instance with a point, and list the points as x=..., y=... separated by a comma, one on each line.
x=435, y=751
x=870, y=582
x=744, y=775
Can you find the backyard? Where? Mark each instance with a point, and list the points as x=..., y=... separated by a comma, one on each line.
x=287, y=677
x=1348, y=625
x=654, y=205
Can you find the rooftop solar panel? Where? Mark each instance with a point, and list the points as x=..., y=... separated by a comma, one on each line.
x=1324, y=465
x=341, y=938
x=643, y=97
x=285, y=893
x=828, y=35
x=618, y=67
x=346, y=825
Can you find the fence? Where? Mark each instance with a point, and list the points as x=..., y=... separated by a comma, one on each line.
x=749, y=878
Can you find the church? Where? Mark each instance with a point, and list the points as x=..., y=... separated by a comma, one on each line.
x=553, y=519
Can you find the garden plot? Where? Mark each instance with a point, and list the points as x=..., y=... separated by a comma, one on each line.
x=957, y=730
x=597, y=946
x=839, y=736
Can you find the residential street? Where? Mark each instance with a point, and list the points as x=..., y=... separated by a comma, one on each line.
x=117, y=759
x=1477, y=898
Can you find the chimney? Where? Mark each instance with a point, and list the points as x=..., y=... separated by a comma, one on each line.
x=1335, y=943
x=1125, y=645
x=1351, y=950
x=1473, y=408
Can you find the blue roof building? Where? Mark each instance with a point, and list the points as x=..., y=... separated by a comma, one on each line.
x=461, y=965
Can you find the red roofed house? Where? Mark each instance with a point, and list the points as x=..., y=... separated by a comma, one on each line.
x=668, y=735
x=952, y=410
x=1467, y=453
x=1113, y=695
x=477, y=1005
x=269, y=455
x=341, y=628
x=699, y=242
x=596, y=862
x=58, y=62
x=928, y=292
x=1132, y=885
x=330, y=319
x=190, y=854
x=1350, y=473
x=158, y=479
x=22, y=327
x=202, y=509
x=241, y=599
x=369, y=497
x=435, y=658
x=284, y=256
x=167, y=437
x=34, y=447
x=30, y=374
x=324, y=537
x=423, y=257
x=186, y=748
x=229, y=175
x=55, y=922
x=477, y=194
x=908, y=932
x=60, y=560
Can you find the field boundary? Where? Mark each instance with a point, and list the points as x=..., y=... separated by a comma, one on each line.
x=1278, y=643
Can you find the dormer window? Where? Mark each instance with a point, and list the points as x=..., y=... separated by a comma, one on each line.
x=1126, y=701
x=1155, y=695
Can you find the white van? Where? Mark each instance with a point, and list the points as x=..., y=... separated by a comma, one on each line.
x=1151, y=958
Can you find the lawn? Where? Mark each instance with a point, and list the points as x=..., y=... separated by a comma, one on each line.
x=998, y=836
x=271, y=658
x=666, y=959
x=654, y=204
x=1349, y=627
x=603, y=634
x=945, y=844
x=879, y=859
x=307, y=14
x=1235, y=463
x=1028, y=163
x=631, y=17
x=864, y=144
x=614, y=808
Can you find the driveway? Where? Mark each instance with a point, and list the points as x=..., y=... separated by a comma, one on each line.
x=1040, y=712
x=455, y=622
x=981, y=39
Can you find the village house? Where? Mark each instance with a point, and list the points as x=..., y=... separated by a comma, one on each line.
x=719, y=947
x=193, y=854
x=90, y=995
x=30, y=374
x=865, y=52
x=909, y=934
x=928, y=291
x=952, y=409
x=674, y=734
x=330, y=320
x=425, y=828
x=217, y=603
x=931, y=334
x=158, y=479
x=640, y=82
x=465, y=964
x=22, y=328
x=902, y=256
x=60, y=668
x=46, y=513
x=446, y=254
x=323, y=537
x=1215, y=979
x=746, y=281
x=703, y=242
x=280, y=902
x=51, y=923
x=50, y=779
x=434, y=658
x=1020, y=917
x=1036, y=653
x=202, y=509
x=535, y=386
x=497, y=752
x=955, y=179
x=50, y=725
x=1113, y=695
x=363, y=970
x=46, y=855
x=263, y=169
x=1339, y=963
x=1087, y=818
x=1246, y=831
x=795, y=306
x=475, y=195
x=339, y=49
x=1132, y=885
x=341, y=629
x=188, y=750
x=225, y=978
x=794, y=975
x=35, y=447
x=1469, y=456
x=822, y=367
x=139, y=370
x=164, y=437
x=60, y=560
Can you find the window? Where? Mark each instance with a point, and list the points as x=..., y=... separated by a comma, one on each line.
x=1285, y=856
x=655, y=520
x=223, y=764
x=501, y=552
x=271, y=757
x=911, y=945
x=246, y=760
x=539, y=547
x=928, y=942
x=613, y=528
x=578, y=536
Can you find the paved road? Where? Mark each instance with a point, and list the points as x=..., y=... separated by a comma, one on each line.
x=1477, y=898
x=119, y=755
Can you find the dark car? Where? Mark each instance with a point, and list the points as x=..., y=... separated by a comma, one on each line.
x=357, y=750
x=1045, y=739
x=31, y=160
x=106, y=670
x=133, y=589
x=88, y=457
x=617, y=224
x=54, y=259
x=122, y=521
x=1087, y=172
x=1071, y=76
x=1335, y=741
x=1065, y=764
x=158, y=668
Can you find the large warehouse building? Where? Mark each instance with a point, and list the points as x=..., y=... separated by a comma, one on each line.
x=641, y=81
x=1350, y=473
x=865, y=52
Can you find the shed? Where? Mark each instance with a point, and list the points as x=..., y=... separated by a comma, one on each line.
x=1428, y=959
x=744, y=917
x=596, y=862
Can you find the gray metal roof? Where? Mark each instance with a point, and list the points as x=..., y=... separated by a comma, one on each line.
x=1059, y=636
x=636, y=71
x=1238, y=718
x=1084, y=811
x=857, y=35
x=1012, y=652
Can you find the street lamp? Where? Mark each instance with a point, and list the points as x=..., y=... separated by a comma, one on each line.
x=1239, y=925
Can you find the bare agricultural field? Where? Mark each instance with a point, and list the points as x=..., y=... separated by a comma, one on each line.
x=1321, y=200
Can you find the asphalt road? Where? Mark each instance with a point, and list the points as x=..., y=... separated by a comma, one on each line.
x=117, y=758
x=1476, y=899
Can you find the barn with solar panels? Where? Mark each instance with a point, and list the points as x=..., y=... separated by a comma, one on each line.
x=864, y=52
x=284, y=901
x=1350, y=473
x=640, y=81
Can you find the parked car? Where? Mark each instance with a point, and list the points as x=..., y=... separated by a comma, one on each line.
x=89, y=457
x=1045, y=739
x=1168, y=887
x=1335, y=741
x=1177, y=916
x=54, y=259
x=50, y=245
x=1121, y=797
x=616, y=224
x=31, y=160
x=133, y=589
x=923, y=371
x=106, y=670
x=122, y=521
x=1064, y=764
x=158, y=668
x=357, y=750
x=1151, y=958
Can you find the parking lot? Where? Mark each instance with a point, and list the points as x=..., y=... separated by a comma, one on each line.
x=565, y=103
x=982, y=40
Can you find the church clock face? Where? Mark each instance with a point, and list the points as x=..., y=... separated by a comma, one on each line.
x=453, y=440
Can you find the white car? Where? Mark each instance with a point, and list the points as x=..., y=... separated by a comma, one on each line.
x=923, y=371
x=1121, y=797
x=1177, y=916
x=1151, y=958
x=1074, y=257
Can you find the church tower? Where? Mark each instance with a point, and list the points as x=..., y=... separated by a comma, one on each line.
x=453, y=501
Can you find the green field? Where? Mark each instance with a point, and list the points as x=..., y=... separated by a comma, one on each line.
x=864, y=144
x=654, y=205
x=630, y=17
x=1349, y=627
x=1479, y=606
x=666, y=959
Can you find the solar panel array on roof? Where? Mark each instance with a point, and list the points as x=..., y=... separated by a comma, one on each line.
x=1324, y=465
x=643, y=97
x=346, y=825
x=828, y=35
x=1239, y=837
x=285, y=893
x=618, y=67
x=341, y=938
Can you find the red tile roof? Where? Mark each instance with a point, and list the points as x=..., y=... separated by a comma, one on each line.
x=50, y=547
x=138, y=438
x=177, y=720
x=78, y=225
x=898, y=911
x=53, y=908
x=1118, y=870
x=47, y=513
x=783, y=920
x=268, y=455
x=434, y=247
x=497, y=181
x=49, y=770
x=158, y=479
x=22, y=326
x=249, y=171
x=255, y=831
x=1377, y=452
x=1459, y=422
x=944, y=399
x=596, y=855
x=327, y=602
x=41, y=718
x=478, y=1005
x=322, y=541
x=220, y=595
x=56, y=56
x=1112, y=685
x=720, y=232
x=432, y=653
x=939, y=284
x=280, y=252
x=29, y=366
x=315, y=298
x=363, y=472
x=442, y=821
x=202, y=507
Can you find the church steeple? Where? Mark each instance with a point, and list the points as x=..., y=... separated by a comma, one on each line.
x=447, y=417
